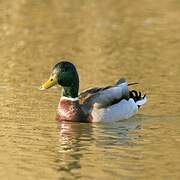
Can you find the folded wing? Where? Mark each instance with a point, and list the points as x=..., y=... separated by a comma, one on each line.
x=103, y=97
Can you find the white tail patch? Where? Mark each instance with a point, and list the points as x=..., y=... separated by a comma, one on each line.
x=141, y=102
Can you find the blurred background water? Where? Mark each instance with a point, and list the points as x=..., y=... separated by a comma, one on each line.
x=106, y=40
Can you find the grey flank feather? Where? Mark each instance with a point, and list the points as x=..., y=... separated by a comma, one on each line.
x=109, y=96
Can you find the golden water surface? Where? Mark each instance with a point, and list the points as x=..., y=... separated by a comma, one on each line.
x=106, y=40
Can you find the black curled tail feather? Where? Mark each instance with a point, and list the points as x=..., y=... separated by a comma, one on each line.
x=136, y=95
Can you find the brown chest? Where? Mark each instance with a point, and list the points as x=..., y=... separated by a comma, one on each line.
x=70, y=111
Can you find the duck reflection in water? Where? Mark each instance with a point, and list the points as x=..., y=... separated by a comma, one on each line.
x=78, y=140
x=74, y=139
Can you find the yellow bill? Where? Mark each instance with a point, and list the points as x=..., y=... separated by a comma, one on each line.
x=52, y=81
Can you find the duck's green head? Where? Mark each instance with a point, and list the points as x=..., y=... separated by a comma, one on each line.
x=65, y=74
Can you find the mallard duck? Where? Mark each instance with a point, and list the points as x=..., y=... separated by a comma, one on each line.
x=100, y=104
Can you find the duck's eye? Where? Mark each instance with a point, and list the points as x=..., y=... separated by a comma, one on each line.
x=51, y=79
